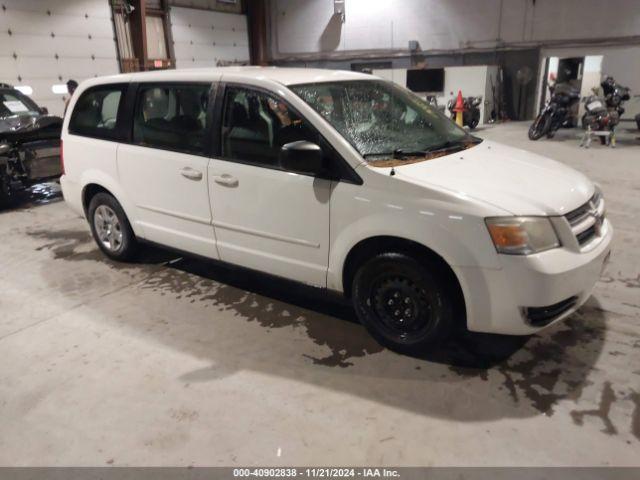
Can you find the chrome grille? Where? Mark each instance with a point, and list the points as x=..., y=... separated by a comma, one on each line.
x=586, y=220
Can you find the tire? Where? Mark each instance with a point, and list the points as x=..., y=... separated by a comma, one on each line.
x=540, y=126
x=396, y=277
x=110, y=228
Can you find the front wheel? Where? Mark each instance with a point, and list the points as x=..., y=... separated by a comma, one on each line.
x=540, y=126
x=402, y=303
x=110, y=228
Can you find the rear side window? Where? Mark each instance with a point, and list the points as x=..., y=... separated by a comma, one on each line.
x=172, y=117
x=96, y=112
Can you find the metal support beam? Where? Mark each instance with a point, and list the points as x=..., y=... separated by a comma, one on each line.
x=257, y=23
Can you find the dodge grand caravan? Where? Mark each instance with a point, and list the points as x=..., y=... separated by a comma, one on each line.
x=339, y=180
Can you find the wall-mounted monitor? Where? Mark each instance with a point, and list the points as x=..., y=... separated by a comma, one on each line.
x=425, y=80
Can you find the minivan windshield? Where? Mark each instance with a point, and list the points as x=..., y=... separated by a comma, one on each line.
x=383, y=121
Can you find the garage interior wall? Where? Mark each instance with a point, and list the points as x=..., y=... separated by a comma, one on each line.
x=204, y=38
x=508, y=33
x=479, y=24
x=45, y=43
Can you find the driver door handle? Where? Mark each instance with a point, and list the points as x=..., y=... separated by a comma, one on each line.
x=191, y=174
x=226, y=180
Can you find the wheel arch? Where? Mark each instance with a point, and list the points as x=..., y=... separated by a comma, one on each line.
x=92, y=186
x=369, y=247
x=89, y=191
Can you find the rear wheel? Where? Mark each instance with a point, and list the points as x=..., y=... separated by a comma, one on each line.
x=402, y=303
x=110, y=227
x=540, y=126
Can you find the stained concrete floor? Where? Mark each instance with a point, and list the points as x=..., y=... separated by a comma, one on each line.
x=170, y=361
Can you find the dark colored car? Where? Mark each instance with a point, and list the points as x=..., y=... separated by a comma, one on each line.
x=29, y=143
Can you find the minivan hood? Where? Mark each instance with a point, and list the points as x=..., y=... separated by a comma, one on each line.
x=511, y=179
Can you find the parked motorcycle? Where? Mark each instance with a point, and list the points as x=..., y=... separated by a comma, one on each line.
x=471, y=113
x=615, y=94
x=558, y=112
x=603, y=113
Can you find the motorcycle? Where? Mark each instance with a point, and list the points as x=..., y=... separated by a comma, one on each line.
x=471, y=113
x=558, y=112
x=615, y=94
x=603, y=113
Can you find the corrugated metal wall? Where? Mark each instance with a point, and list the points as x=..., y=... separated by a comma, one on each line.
x=46, y=42
x=206, y=38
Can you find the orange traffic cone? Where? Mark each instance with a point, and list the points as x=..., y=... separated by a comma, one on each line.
x=459, y=108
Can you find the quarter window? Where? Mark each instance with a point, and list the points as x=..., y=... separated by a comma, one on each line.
x=256, y=125
x=172, y=117
x=96, y=112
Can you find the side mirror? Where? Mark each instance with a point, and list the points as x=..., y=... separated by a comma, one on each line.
x=44, y=110
x=302, y=157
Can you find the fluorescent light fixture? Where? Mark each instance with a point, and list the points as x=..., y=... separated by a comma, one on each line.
x=60, y=88
x=26, y=89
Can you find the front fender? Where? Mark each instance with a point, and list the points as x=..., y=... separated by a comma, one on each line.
x=459, y=240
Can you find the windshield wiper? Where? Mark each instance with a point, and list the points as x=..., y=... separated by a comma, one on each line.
x=400, y=153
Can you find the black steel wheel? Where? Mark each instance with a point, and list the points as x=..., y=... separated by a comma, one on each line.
x=401, y=303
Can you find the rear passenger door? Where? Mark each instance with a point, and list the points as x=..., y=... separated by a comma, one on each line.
x=164, y=168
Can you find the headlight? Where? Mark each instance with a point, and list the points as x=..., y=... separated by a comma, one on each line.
x=597, y=195
x=522, y=235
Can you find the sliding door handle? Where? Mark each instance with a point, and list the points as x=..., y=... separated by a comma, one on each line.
x=226, y=180
x=191, y=174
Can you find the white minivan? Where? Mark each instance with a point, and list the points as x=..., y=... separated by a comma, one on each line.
x=342, y=181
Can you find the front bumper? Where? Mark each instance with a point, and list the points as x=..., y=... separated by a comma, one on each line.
x=498, y=300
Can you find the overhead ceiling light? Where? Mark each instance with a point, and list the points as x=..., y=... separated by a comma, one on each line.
x=26, y=89
x=59, y=88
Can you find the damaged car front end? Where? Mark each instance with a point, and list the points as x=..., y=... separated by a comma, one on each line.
x=29, y=143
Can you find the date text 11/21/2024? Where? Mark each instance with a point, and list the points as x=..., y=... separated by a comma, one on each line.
x=317, y=472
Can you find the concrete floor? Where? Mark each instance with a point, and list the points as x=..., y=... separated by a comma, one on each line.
x=174, y=362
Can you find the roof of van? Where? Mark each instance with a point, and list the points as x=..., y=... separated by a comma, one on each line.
x=285, y=76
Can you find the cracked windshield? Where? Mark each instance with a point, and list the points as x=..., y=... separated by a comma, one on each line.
x=386, y=124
